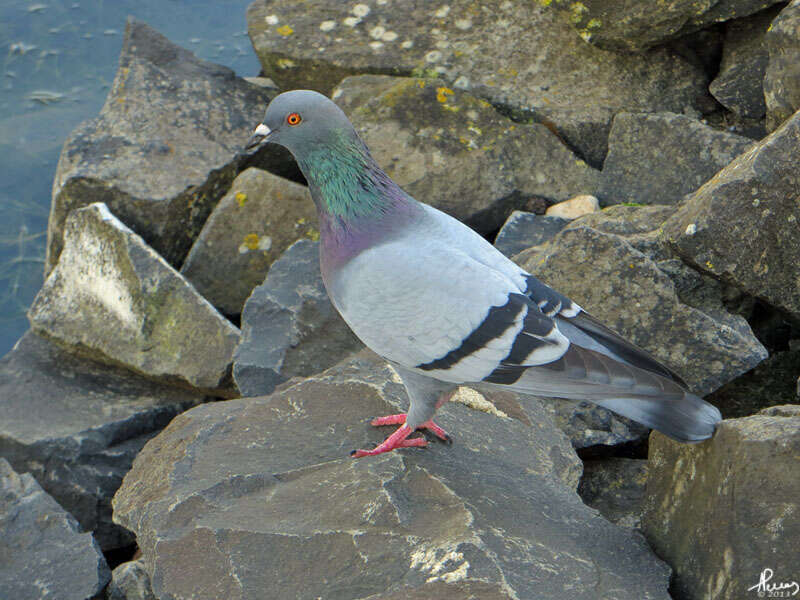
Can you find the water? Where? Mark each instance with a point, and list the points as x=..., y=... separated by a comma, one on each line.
x=57, y=62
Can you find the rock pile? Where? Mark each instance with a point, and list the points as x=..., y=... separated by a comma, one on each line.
x=182, y=271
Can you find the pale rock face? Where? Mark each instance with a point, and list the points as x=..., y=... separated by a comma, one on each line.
x=112, y=297
x=749, y=470
x=574, y=207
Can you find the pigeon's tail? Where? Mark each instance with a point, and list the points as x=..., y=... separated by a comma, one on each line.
x=646, y=397
x=686, y=418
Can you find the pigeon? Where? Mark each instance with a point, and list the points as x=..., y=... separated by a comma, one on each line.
x=444, y=307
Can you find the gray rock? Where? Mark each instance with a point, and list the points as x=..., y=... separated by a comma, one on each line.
x=252, y=225
x=739, y=86
x=162, y=151
x=130, y=581
x=114, y=299
x=548, y=72
x=723, y=511
x=289, y=326
x=43, y=554
x=633, y=25
x=523, y=230
x=258, y=498
x=77, y=425
x=659, y=158
x=615, y=486
x=626, y=289
x=451, y=150
x=588, y=425
x=742, y=226
x=782, y=77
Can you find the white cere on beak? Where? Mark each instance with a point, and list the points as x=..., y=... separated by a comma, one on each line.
x=262, y=129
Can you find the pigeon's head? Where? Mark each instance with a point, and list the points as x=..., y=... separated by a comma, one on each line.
x=300, y=120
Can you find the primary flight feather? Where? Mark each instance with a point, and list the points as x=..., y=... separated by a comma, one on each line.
x=444, y=307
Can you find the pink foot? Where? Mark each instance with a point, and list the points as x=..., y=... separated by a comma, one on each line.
x=400, y=419
x=396, y=440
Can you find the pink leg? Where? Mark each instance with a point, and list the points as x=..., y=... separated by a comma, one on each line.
x=401, y=419
x=396, y=440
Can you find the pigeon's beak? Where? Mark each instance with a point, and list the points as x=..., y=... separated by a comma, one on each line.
x=260, y=136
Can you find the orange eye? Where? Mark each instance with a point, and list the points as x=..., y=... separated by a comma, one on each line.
x=294, y=119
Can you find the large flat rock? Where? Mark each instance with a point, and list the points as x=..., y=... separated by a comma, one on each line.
x=260, y=217
x=77, y=425
x=43, y=554
x=162, y=151
x=289, y=326
x=454, y=151
x=515, y=54
x=113, y=298
x=258, y=498
x=742, y=225
x=659, y=158
x=724, y=511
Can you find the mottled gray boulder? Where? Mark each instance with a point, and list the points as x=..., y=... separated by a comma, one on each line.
x=289, y=326
x=130, y=581
x=77, y=425
x=518, y=55
x=739, y=86
x=162, y=150
x=43, y=554
x=782, y=78
x=523, y=230
x=258, y=498
x=742, y=226
x=723, y=511
x=634, y=25
x=615, y=486
x=451, y=150
x=626, y=289
x=588, y=425
x=659, y=158
x=261, y=216
x=114, y=299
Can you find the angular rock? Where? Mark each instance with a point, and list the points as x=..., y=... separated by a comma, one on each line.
x=626, y=290
x=659, y=158
x=589, y=426
x=252, y=225
x=782, y=77
x=547, y=71
x=742, y=225
x=723, y=511
x=523, y=230
x=43, y=554
x=233, y=500
x=615, y=486
x=634, y=26
x=162, y=151
x=574, y=207
x=289, y=326
x=130, y=581
x=739, y=86
x=76, y=426
x=457, y=153
x=114, y=299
